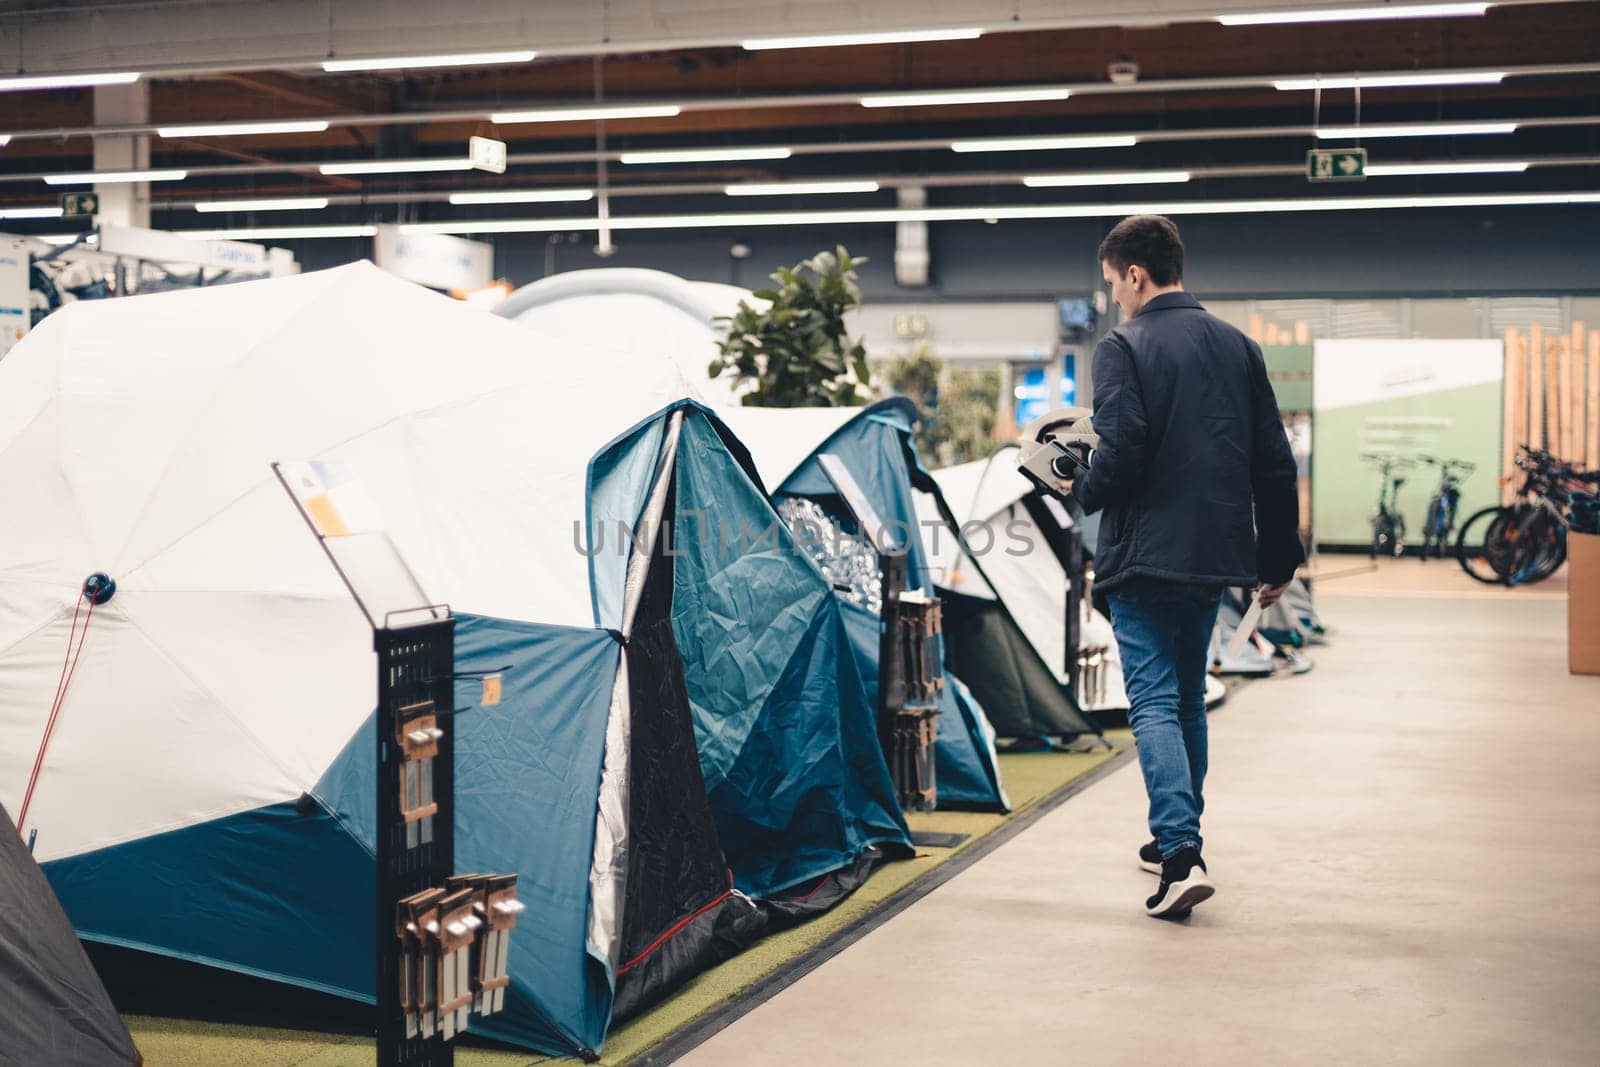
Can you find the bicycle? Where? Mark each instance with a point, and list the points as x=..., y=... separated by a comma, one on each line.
x=1388, y=525
x=1526, y=541
x=1441, y=518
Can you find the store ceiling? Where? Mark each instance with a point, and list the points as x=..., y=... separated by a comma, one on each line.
x=395, y=114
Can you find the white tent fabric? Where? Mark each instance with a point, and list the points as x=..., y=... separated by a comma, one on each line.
x=627, y=310
x=232, y=664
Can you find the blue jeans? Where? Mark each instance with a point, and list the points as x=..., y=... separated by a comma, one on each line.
x=1164, y=632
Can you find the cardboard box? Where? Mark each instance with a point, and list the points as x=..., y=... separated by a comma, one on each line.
x=1583, y=603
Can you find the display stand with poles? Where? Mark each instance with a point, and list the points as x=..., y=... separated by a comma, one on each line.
x=441, y=939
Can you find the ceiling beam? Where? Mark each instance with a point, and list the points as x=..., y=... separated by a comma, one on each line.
x=340, y=112
x=184, y=37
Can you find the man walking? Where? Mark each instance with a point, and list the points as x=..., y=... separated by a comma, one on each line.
x=1197, y=482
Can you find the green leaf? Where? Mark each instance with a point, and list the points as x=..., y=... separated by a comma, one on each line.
x=769, y=295
x=715, y=370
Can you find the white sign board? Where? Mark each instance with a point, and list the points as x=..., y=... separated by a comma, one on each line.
x=15, y=313
x=436, y=260
x=487, y=154
x=159, y=246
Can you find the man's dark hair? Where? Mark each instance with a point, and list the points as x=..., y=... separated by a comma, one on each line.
x=1148, y=241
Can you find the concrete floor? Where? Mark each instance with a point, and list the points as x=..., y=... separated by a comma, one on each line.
x=1406, y=843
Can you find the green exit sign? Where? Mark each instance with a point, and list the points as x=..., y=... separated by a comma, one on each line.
x=79, y=205
x=1336, y=165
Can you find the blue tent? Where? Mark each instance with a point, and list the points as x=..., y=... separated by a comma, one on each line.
x=784, y=721
x=877, y=449
x=697, y=770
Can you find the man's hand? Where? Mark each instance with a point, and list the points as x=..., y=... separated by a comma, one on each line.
x=1064, y=486
x=1270, y=594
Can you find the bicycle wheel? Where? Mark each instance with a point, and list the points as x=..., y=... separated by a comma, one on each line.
x=1480, y=541
x=1433, y=529
x=1547, y=549
x=1522, y=550
x=1382, y=535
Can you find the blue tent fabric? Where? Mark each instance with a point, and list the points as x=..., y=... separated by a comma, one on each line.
x=528, y=771
x=787, y=743
x=966, y=771
x=876, y=447
x=239, y=893
x=285, y=892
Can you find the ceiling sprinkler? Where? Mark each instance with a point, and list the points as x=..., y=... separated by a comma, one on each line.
x=1122, y=71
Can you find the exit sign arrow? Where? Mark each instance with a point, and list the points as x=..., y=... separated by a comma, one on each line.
x=1336, y=165
x=79, y=205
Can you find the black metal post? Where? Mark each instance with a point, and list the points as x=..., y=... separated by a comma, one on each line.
x=891, y=667
x=415, y=667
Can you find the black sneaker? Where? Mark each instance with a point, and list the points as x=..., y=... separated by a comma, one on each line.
x=1183, y=885
x=1150, y=858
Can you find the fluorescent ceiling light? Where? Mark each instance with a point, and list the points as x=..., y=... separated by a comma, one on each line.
x=266, y=233
x=1395, y=170
x=288, y=203
x=1393, y=81
x=1135, y=177
x=464, y=59
x=30, y=212
x=587, y=114
x=65, y=81
x=114, y=177
x=524, y=196
x=396, y=166
x=1004, y=213
x=236, y=129
x=1041, y=144
x=1354, y=14
x=1432, y=129
x=1020, y=94
x=706, y=155
x=5, y=139
x=798, y=188
x=844, y=40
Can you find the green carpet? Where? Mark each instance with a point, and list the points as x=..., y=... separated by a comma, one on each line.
x=1029, y=778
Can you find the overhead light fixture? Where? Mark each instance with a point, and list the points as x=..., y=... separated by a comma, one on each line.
x=115, y=177
x=845, y=40
x=396, y=166
x=941, y=98
x=240, y=129
x=1397, y=170
x=1043, y=144
x=798, y=188
x=22, y=83
x=1354, y=14
x=30, y=212
x=267, y=233
x=587, y=114
x=1135, y=177
x=5, y=139
x=525, y=196
x=706, y=155
x=1003, y=213
x=1432, y=129
x=1394, y=81
x=286, y=203
x=463, y=59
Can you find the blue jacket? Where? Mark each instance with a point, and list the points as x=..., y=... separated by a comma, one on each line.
x=1193, y=471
